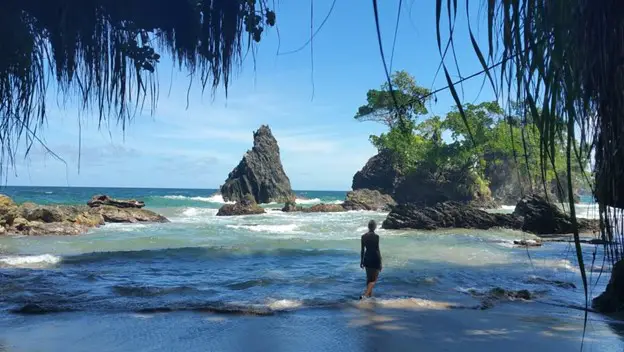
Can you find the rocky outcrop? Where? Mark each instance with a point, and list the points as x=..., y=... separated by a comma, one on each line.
x=127, y=215
x=324, y=208
x=499, y=295
x=612, y=300
x=429, y=186
x=367, y=199
x=532, y=214
x=246, y=206
x=259, y=173
x=8, y=211
x=379, y=174
x=544, y=218
x=447, y=215
x=35, y=220
x=100, y=200
x=291, y=207
x=528, y=243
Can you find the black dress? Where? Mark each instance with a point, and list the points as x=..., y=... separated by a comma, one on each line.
x=372, y=258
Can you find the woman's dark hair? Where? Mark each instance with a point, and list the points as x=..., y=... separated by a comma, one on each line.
x=372, y=225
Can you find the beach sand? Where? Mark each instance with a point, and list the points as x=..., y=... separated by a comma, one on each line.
x=398, y=326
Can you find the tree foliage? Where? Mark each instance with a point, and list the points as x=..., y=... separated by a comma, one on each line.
x=406, y=104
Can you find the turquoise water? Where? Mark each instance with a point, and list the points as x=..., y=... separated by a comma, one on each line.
x=264, y=263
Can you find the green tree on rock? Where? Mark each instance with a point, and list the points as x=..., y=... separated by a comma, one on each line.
x=407, y=104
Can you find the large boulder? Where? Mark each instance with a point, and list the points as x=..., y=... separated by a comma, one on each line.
x=246, y=206
x=63, y=216
x=8, y=210
x=612, y=300
x=380, y=173
x=545, y=218
x=324, y=208
x=447, y=215
x=38, y=228
x=101, y=199
x=291, y=207
x=259, y=173
x=127, y=215
x=428, y=186
x=367, y=199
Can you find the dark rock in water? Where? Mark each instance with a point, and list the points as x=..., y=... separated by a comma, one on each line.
x=366, y=199
x=528, y=243
x=259, y=173
x=127, y=215
x=447, y=215
x=324, y=208
x=100, y=200
x=544, y=218
x=429, y=186
x=542, y=281
x=246, y=206
x=497, y=294
x=290, y=207
x=612, y=300
x=379, y=173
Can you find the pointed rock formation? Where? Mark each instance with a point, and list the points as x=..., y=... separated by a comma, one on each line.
x=260, y=173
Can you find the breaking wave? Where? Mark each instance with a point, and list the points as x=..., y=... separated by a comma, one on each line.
x=30, y=260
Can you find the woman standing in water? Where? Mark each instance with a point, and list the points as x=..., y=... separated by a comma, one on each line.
x=370, y=257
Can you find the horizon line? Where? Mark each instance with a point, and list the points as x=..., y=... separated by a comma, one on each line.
x=168, y=188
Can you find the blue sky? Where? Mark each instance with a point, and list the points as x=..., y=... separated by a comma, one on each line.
x=310, y=111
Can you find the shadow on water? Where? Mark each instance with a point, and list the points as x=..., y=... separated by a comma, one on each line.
x=402, y=329
x=617, y=326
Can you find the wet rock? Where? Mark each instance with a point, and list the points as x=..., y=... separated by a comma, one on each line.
x=324, y=208
x=497, y=295
x=127, y=215
x=557, y=283
x=100, y=200
x=447, y=215
x=290, y=207
x=246, y=206
x=366, y=199
x=528, y=243
x=544, y=218
x=612, y=300
x=259, y=173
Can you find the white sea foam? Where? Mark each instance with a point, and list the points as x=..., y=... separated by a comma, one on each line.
x=285, y=228
x=405, y=303
x=194, y=215
x=308, y=201
x=30, y=260
x=215, y=198
x=125, y=227
x=508, y=207
x=284, y=304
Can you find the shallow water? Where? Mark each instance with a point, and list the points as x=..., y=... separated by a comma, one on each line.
x=264, y=263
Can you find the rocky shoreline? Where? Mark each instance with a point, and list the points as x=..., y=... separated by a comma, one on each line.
x=37, y=220
x=533, y=214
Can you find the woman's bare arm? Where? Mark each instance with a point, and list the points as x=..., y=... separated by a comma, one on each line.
x=362, y=253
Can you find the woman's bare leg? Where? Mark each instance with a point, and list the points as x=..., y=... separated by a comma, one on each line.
x=369, y=289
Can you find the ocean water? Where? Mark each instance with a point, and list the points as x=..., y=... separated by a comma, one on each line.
x=268, y=263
